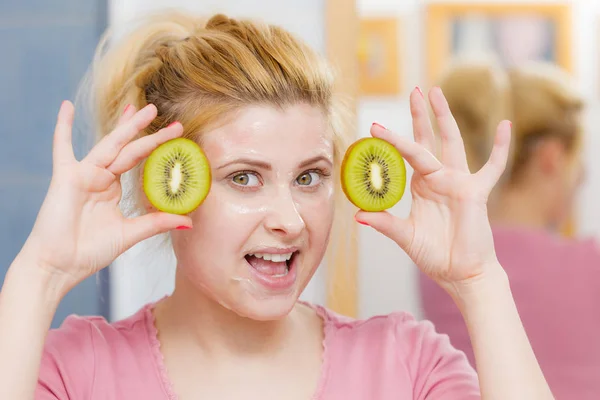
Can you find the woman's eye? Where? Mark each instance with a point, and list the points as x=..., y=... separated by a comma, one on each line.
x=308, y=179
x=246, y=179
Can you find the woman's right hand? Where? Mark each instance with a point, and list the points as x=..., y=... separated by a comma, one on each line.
x=80, y=228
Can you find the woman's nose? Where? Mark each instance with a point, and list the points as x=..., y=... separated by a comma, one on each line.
x=284, y=217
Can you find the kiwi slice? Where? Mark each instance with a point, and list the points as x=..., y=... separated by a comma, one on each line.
x=177, y=176
x=373, y=174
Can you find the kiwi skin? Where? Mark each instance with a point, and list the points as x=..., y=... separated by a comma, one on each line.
x=346, y=165
x=152, y=179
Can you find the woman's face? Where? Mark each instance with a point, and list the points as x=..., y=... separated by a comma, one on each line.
x=263, y=229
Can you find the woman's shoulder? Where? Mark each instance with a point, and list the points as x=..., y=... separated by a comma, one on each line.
x=523, y=252
x=515, y=236
x=85, y=354
x=394, y=351
x=78, y=331
x=397, y=322
x=400, y=329
x=86, y=340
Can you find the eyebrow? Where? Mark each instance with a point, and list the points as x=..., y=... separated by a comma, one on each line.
x=247, y=161
x=314, y=160
x=266, y=166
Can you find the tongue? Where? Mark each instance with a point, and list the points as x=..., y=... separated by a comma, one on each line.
x=267, y=267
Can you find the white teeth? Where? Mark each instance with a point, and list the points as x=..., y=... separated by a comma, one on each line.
x=273, y=257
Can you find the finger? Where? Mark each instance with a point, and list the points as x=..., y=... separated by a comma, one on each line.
x=105, y=152
x=139, y=149
x=419, y=158
x=493, y=169
x=422, y=129
x=453, y=150
x=128, y=112
x=63, y=133
x=141, y=228
x=399, y=230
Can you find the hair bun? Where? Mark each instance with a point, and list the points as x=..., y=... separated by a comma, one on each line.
x=220, y=21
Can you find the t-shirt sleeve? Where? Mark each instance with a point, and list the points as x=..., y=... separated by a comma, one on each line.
x=438, y=370
x=66, y=368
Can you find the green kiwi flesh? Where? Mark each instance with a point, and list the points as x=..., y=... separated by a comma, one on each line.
x=177, y=176
x=373, y=174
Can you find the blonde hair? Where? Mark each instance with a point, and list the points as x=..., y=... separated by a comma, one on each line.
x=199, y=72
x=538, y=98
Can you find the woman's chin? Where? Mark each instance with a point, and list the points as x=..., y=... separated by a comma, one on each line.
x=265, y=307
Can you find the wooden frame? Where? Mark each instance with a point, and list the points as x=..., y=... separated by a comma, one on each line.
x=439, y=16
x=342, y=26
x=379, y=69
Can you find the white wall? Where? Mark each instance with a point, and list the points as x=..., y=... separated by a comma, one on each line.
x=139, y=276
x=303, y=17
x=387, y=277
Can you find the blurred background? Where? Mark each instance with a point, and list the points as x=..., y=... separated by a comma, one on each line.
x=47, y=46
x=46, y=49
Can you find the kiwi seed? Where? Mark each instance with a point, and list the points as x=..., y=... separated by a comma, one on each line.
x=177, y=176
x=373, y=174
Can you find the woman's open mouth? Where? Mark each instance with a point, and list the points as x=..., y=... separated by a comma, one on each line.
x=274, y=270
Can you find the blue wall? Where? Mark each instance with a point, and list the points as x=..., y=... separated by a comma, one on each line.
x=46, y=47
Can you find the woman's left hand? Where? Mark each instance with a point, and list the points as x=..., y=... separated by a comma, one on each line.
x=447, y=233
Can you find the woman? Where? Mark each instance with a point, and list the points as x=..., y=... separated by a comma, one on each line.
x=261, y=105
x=554, y=279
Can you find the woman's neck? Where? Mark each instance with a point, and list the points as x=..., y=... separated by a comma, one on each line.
x=522, y=207
x=192, y=318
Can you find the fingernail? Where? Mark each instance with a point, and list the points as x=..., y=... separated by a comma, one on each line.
x=420, y=91
x=510, y=124
x=361, y=222
x=183, y=227
x=379, y=125
x=172, y=123
x=127, y=107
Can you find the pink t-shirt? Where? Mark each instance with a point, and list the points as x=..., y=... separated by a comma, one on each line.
x=383, y=357
x=556, y=285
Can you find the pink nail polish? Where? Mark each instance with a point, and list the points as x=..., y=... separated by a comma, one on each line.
x=183, y=227
x=420, y=91
x=172, y=123
x=127, y=107
x=379, y=125
x=361, y=222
